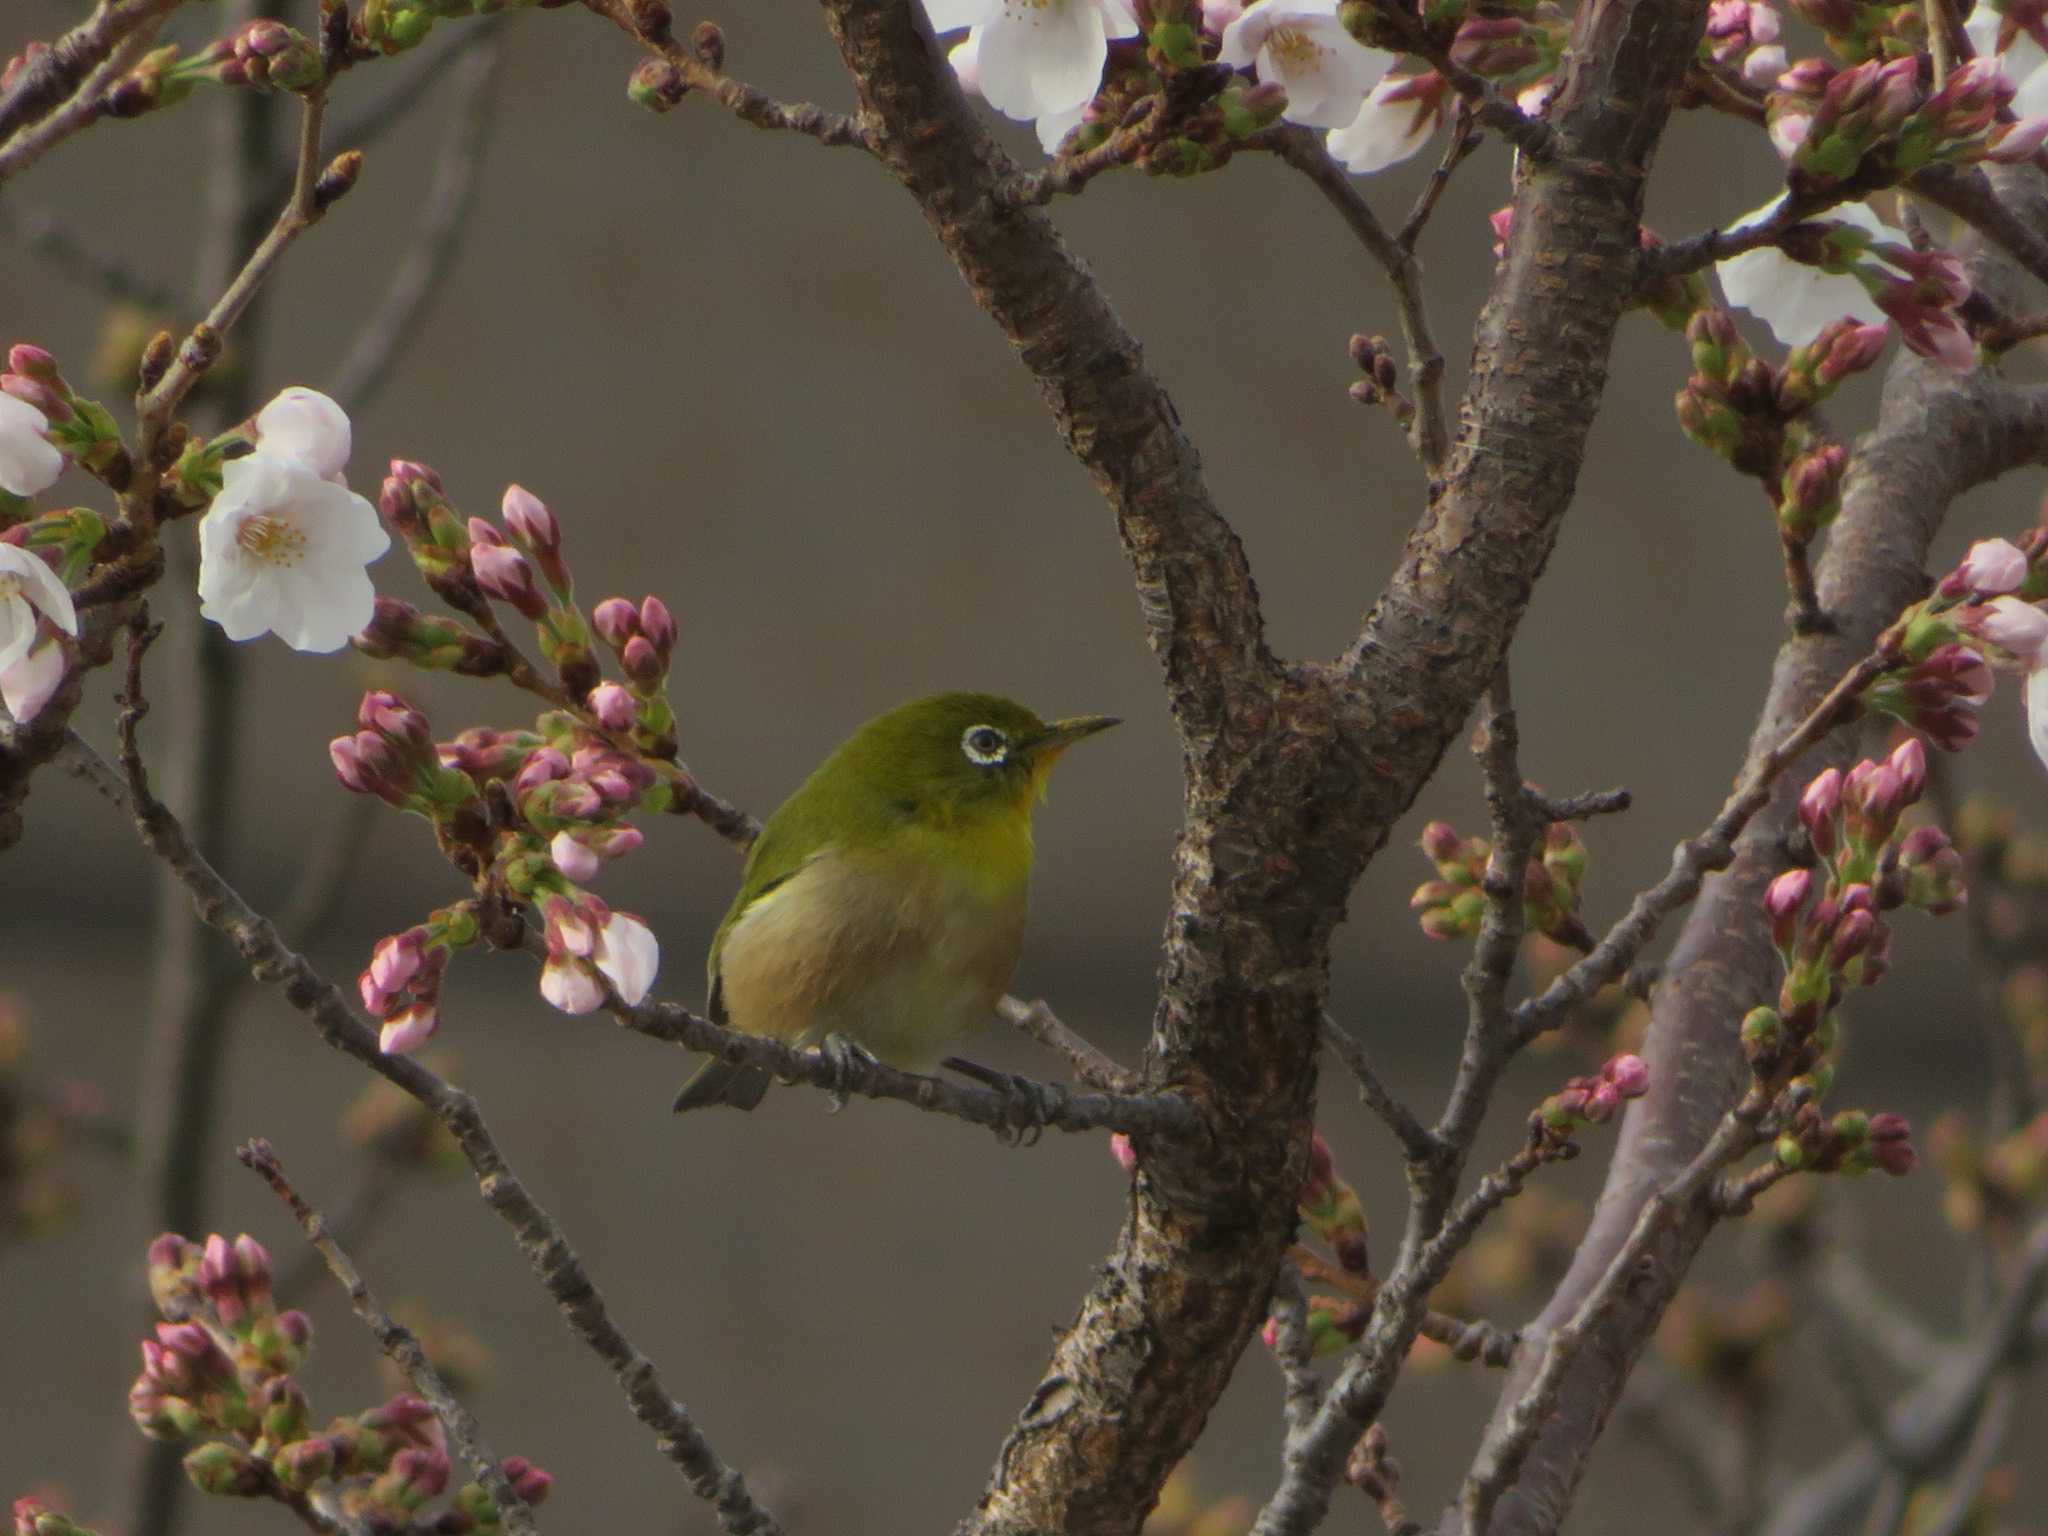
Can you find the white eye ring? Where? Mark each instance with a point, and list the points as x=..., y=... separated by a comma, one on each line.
x=975, y=742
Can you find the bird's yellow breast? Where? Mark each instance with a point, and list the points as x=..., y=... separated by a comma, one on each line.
x=901, y=949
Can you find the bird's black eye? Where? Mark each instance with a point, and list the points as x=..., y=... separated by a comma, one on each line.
x=984, y=745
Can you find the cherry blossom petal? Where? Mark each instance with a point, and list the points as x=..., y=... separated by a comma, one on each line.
x=29, y=463
x=1045, y=57
x=306, y=425
x=27, y=685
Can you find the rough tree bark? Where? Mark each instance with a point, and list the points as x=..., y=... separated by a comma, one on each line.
x=1294, y=773
x=1937, y=435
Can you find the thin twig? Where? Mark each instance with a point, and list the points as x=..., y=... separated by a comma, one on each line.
x=1696, y=857
x=1464, y=138
x=1304, y=1392
x=371, y=115
x=706, y=76
x=450, y=194
x=305, y=209
x=1416, y=1139
x=1090, y=1064
x=1500, y=1457
x=1429, y=433
x=59, y=92
x=397, y=1341
x=543, y=1242
x=1028, y=1107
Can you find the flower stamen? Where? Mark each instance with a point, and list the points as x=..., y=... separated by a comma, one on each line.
x=271, y=539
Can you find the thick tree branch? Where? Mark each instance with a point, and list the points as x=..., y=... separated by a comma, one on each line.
x=1295, y=775
x=1937, y=435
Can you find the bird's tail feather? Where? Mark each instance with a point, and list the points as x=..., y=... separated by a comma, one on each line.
x=723, y=1082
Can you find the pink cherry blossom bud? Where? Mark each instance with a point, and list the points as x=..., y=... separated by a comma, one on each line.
x=1503, y=222
x=485, y=533
x=31, y=361
x=641, y=661
x=1630, y=1075
x=1909, y=762
x=614, y=842
x=1125, y=1154
x=572, y=858
x=1440, y=841
x=1602, y=1100
x=614, y=707
x=541, y=766
x=2017, y=143
x=362, y=763
x=658, y=625
x=571, y=984
x=1993, y=567
x=529, y=519
x=408, y=1029
x=1782, y=900
x=1762, y=66
x=529, y=1482
x=505, y=573
x=1269, y=1335
x=1854, y=933
x=2017, y=628
x=375, y=998
x=616, y=621
x=397, y=721
x=568, y=930
x=396, y=960
x=1817, y=809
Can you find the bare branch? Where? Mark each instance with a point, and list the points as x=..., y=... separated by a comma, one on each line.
x=1429, y=433
x=397, y=1341
x=1932, y=1425
x=1026, y=1108
x=1090, y=1065
x=1509, y=1439
x=1697, y=857
x=58, y=92
x=1417, y=1140
x=649, y=26
x=445, y=211
x=543, y=1242
x=1937, y=434
x=312, y=193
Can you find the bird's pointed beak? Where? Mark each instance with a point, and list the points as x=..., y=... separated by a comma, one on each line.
x=1062, y=734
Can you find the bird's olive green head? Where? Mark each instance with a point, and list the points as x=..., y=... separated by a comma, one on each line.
x=954, y=754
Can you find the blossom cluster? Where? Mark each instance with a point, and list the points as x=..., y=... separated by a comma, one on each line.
x=1984, y=617
x=1828, y=923
x=220, y=1369
x=1072, y=65
x=530, y=816
x=1454, y=904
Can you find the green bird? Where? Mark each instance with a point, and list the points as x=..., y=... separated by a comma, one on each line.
x=883, y=903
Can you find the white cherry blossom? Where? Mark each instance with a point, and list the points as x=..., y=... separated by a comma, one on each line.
x=27, y=686
x=29, y=463
x=629, y=955
x=306, y=425
x=2037, y=712
x=1031, y=58
x=29, y=592
x=1301, y=45
x=282, y=551
x=1797, y=301
x=1392, y=125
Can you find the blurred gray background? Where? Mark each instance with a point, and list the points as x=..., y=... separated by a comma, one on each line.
x=746, y=378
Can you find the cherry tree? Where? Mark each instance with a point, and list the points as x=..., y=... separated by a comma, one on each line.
x=1906, y=231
